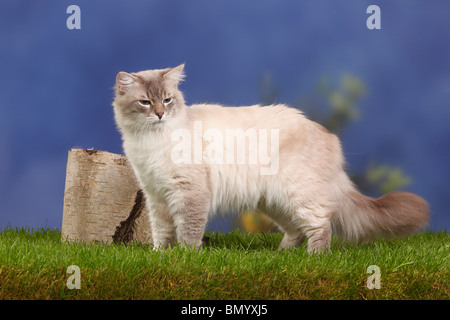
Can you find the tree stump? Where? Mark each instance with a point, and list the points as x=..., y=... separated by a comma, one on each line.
x=102, y=200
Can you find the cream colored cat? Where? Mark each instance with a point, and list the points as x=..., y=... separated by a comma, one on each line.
x=195, y=161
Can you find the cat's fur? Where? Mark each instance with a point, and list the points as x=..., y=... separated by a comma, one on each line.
x=309, y=196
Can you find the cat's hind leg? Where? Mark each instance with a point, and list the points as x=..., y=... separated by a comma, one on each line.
x=292, y=239
x=319, y=237
x=317, y=226
x=310, y=222
x=290, y=224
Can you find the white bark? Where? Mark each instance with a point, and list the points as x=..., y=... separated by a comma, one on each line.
x=102, y=200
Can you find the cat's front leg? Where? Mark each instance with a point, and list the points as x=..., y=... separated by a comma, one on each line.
x=162, y=225
x=162, y=234
x=190, y=222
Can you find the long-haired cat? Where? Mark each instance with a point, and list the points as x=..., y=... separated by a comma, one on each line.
x=194, y=161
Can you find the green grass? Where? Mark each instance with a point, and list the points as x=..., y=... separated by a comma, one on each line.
x=33, y=265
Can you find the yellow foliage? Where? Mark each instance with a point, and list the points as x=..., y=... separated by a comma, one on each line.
x=256, y=221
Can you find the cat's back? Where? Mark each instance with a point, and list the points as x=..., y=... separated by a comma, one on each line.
x=296, y=132
x=255, y=116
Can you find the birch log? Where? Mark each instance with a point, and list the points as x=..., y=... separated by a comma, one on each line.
x=102, y=200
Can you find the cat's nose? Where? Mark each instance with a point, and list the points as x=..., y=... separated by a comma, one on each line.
x=159, y=114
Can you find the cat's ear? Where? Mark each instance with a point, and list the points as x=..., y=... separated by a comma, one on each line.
x=175, y=75
x=124, y=81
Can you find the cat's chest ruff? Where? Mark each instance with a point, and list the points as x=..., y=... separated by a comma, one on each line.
x=149, y=153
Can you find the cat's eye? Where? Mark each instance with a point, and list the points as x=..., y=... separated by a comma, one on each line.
x=144, y=102
x=167, y=100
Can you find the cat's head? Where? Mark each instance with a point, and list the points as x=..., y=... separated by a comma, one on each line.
x=151, y=96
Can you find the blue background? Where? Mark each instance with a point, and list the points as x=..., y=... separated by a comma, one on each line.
x=55, y=83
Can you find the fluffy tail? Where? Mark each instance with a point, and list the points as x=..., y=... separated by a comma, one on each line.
x=362, y=218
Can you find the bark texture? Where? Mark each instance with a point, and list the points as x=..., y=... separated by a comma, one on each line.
x=102, y=200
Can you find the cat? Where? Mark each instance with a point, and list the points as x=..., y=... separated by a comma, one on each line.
x=195, y=161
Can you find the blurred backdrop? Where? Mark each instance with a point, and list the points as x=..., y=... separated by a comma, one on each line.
x=386, y=91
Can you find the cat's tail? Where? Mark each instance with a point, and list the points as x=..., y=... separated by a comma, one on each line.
x=361, y=218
